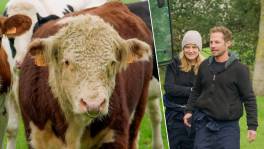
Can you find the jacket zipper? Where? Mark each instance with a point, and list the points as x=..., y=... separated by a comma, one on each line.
x=214, y=77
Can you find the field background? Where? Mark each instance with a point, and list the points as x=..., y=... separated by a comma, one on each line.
x=145, y=130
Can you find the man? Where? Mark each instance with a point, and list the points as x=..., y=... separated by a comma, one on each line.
x=222, y=87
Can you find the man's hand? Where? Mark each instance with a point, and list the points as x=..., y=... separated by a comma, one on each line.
x=251, y=135
x=186, y=119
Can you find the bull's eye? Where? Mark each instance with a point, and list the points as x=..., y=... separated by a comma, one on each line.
x=66, y=62
x=111, y=69
x=113, y=63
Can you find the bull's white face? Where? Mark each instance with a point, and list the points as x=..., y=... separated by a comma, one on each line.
x=87, y=72
x=84, y=58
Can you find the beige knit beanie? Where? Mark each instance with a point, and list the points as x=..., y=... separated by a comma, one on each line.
x=192, y=37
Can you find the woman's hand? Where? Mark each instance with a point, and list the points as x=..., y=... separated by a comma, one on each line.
x=186, y=119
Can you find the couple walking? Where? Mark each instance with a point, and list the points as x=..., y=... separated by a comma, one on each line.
x=204, y=98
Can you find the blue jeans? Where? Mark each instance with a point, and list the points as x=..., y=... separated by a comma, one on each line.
x=212, y=134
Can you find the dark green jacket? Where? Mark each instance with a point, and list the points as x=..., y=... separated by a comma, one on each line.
x=221, y=95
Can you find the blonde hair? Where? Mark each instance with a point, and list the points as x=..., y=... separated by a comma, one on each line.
x=186, y=65
x=225, y=31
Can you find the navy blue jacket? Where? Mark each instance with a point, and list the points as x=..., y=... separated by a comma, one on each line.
x=178, y=83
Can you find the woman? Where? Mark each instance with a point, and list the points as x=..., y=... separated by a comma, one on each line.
x=179, y=80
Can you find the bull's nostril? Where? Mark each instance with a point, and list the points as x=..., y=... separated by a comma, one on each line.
x=102, y=105
x=83, y=103
x=92, y=107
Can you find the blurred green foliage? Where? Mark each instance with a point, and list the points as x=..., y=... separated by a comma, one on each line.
x=240, y=16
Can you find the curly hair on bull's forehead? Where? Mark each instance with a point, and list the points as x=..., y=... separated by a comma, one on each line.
x=87, y=23
x=89, y=36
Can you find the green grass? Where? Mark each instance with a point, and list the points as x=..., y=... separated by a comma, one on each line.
x=146, y=134
x=2, y=5
x=21, y=139
x=259, y=143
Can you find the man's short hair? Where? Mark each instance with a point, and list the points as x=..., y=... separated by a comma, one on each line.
x=226, y=32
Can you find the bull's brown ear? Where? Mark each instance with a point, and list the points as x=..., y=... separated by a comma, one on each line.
x=138, y=51
x=2, y=20
x=16, y=25
x=132, y=50
x=36, y=50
